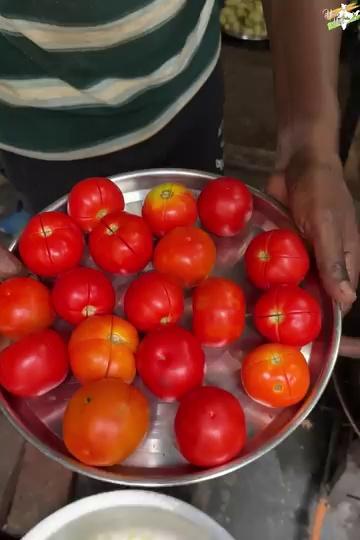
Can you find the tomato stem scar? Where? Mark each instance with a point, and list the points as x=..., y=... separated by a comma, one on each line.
x=264, y=255
x=101, y=213
x=111, y=229
x=46, y=232
x=166, y=194
x=87, y=311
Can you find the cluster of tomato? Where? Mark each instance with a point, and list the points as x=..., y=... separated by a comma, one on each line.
x=108, y=417
x=276, y=374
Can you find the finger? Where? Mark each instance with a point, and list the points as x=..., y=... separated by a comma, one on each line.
x=352, y=251
x=9, y=264
x=349, y=347
x=276, y=187
x=326, y=235
x=352, y=267
x=352, y=255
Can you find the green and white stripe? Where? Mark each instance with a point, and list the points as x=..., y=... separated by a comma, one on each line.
x=48, y=92
x=90, y=88
x=53, y=37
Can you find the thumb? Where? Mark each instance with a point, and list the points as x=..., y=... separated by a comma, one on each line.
x=329, y=252
x=349, y=347
x=9, y=264
x=276, y=187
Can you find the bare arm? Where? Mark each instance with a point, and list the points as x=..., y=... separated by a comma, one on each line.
x=309, y=176
x=305, y=59
x=9, y=265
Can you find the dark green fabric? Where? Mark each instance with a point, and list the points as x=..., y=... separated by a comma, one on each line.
x=70, y=12
x=136, y=58
x=49, y=130
x=62, y=129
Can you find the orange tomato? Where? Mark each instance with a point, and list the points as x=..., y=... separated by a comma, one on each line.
x=187, y=254
x=104, y=422
x=275, y=375
x=167, y=206
x=103, y=346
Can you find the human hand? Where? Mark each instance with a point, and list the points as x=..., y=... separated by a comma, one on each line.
x=349, y=347
x=9, y=265
x=313, y=188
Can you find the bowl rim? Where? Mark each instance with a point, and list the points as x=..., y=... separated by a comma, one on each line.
x=102, y=501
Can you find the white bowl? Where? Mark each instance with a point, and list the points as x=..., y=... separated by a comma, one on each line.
x=128, y=514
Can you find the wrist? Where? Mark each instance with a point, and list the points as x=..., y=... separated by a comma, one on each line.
x=310, y=125
x=318, y=137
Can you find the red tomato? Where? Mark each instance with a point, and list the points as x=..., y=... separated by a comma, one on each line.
x=225, y=206
x=168, y=206
x=275, y=375
x=82, y=292
x=152, y=301
x=34, y=365
x=51, y=243
x=218, y=312
x=210, y=427
x=121, y=243
x=288, y=315
x=104, y=422
x=170, y=362
x=25, y=307
x=187, y=254
x=92, y=199
x=103, y=346
x=276, y=257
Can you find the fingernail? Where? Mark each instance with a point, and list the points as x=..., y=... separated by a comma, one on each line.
x=347, y=290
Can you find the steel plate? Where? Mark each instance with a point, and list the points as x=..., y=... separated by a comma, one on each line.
x=157, y=462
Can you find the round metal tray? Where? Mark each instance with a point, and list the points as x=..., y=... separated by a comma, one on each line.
x=157, y=462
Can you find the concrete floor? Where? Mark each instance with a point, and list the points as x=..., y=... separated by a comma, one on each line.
x=250, y=118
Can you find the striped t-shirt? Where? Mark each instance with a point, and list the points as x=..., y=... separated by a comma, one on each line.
x=81, y=78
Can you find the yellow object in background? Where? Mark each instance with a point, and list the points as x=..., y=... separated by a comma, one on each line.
x=244, y=18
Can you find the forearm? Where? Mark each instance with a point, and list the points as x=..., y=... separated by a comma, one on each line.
x=305, y=58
